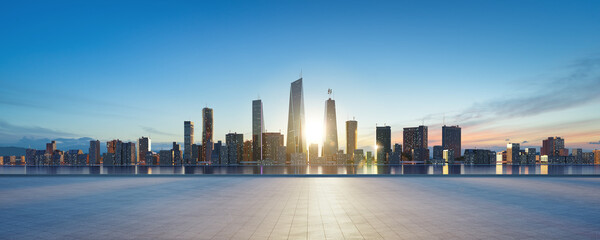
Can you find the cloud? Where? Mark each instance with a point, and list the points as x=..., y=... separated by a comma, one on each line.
x=598, y=142
x=8, y=130
x=61, y=143
x=578, y=86
x=156, y=131
x=525, y=142
x=508, y=139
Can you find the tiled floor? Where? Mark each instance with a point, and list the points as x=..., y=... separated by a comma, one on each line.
x=299, y=208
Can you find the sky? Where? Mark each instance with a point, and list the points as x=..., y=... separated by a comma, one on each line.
x=505, y=71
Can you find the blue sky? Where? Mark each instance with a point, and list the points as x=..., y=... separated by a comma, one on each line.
x=518, y=70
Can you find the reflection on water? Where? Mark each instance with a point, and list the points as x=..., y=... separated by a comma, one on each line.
x=364, y=169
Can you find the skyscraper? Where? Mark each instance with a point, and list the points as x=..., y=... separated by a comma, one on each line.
x=351, y=137
x=272, y=142
x=330, y=145
x=415, y=143
x=512, y=153
x=207, y=134
x=94, y=152
x=247, y=153
x=144, y=146
x=128, y=154
x=438, y=152
x=552, y=146
x=235, y=147
x=177, y=158
x=383, y=140
x=258, y=126
x=50, y=147
x=296, y=143
x=188, y=140
x=451, y=139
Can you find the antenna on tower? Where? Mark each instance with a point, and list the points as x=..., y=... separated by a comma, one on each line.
x=300, y=72
x=329, y=91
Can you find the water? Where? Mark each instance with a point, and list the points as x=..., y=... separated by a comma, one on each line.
x=303, y=170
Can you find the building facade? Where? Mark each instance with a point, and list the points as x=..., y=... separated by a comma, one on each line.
x=207, y=135
x=451, y=139
x=351, y=137
x=296, y=142
x=188, y=141
x=330, y=144
x=383, y=140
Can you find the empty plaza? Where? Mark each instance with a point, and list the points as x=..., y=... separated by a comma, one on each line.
x=275, y=207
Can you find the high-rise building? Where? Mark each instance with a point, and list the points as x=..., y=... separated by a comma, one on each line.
x=552, y=146
x=144, y=146
x=177, y=158
x=188, y=140
x=313, y=153
x=530, y=154
x=111, y=146
x=235, y=147
x=451, y=139
x=415, y=143
x=596, y=156
x=166, y=157
x=207, y=134
x=330, y=145
x=438, y=152
x=128, y=154
x=247, y=155
x=51, y=147
x=578, y=155
x=448, y=156
x=383, y=140
x=296, y=143
x=351, y=137
x=512, y=153
x=258, y=127
x=217, y=153
x=272, y=142
x=479, y=156
x=94, y=152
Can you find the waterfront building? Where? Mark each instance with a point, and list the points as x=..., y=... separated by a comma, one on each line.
x=451, y=139
x=552, y=146
x=330, y=144
x=188, y=141
x=383, y=140
x=207, y=135
x=94, y=152
x=258, y=127
x=415, y=141
x=351, y=137
x=296, y=142
x=235, y=148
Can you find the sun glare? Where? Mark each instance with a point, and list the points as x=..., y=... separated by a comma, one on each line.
x=314, y=131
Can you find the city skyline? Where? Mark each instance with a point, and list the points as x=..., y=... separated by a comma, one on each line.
x=99, y=79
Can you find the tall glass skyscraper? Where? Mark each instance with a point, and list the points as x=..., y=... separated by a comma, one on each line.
x=188, y=140
x=330, y=146
x=296, y=143
x=207, y=134
x=258, y=127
